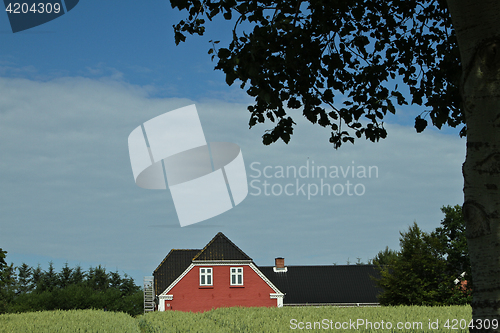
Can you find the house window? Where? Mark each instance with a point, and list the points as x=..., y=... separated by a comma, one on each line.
x=205, y=276
x=236, y=276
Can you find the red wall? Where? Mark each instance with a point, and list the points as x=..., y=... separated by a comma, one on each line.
x=188, y=295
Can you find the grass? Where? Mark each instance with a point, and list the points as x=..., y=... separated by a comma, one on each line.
x=288, y=319
x=68, y=322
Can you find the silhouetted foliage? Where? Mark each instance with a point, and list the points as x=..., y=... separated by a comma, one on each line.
x=65, y=276
x=385, y=257
x=6, y=281
x=33, y=289
x=336, y=61
x=429, y=266
x=452, y=235
x=77, y=275
x=24, y=276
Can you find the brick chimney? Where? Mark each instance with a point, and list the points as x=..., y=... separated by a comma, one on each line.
x=279, y=262
x=279, y=265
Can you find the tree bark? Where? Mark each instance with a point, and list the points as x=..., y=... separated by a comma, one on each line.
x=477, y=26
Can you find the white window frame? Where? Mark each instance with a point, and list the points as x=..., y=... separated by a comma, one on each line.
x=237, y=274
x=206, y=276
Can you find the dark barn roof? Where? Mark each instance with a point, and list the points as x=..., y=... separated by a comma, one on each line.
x=171, y=267
x=325, y=284
x=221, y=248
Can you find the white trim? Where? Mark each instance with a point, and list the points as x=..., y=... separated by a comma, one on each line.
x=207, y=263
x=278, y=295
x=161, y=301
x=280, y=270
x=221, y=262
x=279, y=298
x=208, y=274
x=236, y=274
x=166, y=297
x=266, y=280
x=180, y=277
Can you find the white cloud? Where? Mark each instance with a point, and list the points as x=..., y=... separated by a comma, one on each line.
x=67, y=189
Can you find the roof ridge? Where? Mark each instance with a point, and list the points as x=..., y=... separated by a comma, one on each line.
x=220, y=235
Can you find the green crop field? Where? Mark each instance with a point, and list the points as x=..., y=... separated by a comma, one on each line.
x=68, y=321
x=288, y=319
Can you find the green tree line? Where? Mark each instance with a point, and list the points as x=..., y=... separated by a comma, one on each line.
x=24, y=288
x=430, y=268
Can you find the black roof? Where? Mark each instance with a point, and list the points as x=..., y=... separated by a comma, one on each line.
x=171, y=267
x=325, y=284
x=221, y=248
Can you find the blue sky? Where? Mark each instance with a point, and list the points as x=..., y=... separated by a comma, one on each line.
x=74, y=88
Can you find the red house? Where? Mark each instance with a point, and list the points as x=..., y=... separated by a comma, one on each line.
x=220, y=275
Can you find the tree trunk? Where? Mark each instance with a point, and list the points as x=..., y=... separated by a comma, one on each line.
x=477, y=26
